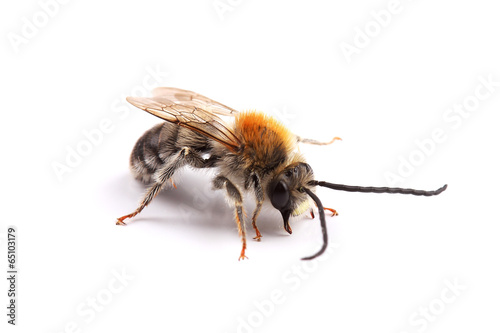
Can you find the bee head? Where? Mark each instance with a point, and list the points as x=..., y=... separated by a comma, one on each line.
x=292, y=190
x=286, y=194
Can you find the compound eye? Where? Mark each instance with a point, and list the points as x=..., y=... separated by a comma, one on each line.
x=280, y=196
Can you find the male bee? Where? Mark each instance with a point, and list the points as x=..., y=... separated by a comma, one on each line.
x=253, y=153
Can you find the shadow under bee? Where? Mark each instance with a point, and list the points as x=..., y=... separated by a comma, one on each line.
x=194, y=202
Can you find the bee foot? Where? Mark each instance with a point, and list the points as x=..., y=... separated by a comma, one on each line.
x=334, y=212
x=120, y=222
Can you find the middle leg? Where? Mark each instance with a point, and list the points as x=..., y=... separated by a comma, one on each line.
x=235, y=196
x=259, y=198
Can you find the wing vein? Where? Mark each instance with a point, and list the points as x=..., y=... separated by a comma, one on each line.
x=192, y=111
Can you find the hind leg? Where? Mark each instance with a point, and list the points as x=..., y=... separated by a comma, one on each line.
x=185, y=156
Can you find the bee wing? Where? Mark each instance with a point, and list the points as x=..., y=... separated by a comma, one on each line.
x=190, y=116
x=189, y=98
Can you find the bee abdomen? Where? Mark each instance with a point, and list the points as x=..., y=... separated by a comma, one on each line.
x=158, y=144
x=144, y=160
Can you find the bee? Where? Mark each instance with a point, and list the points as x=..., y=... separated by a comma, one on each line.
x=253, y=153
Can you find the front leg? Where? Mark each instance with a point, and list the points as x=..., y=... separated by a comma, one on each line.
x=234, y=195
x=334, y=212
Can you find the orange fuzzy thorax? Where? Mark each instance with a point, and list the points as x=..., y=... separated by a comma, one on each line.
x=267, y=141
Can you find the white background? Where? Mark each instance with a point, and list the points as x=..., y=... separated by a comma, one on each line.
x=392, y=257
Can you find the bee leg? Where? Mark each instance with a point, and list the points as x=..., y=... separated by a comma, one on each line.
x=334, y=212
x=235, y=196
x=151, y=192
x=315, y=142
x=183, y=157
x=256, y=212
x=259, y=196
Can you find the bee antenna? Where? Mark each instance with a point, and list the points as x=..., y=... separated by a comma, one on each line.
x=323, y=223
x=370, y=189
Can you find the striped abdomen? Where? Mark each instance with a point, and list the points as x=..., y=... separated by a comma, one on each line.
x=158, y=144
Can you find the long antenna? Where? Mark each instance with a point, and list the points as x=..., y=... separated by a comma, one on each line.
x=371, y=189
x=350, y=188
x=323, y=224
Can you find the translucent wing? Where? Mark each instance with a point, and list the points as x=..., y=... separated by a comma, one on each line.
x=189, y=98
x=189, y=114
